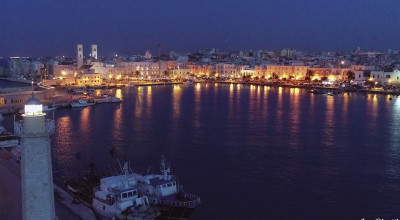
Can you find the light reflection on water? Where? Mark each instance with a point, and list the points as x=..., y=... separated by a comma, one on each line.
x=256, y=150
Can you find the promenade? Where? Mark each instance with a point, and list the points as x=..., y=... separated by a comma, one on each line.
x=10, y=189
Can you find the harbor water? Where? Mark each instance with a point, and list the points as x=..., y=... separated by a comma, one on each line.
x=249, y=152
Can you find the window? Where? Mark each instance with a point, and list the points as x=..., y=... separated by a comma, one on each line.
x=130, y=194
x=388, y=76
x=124, y=195
x=169, y=184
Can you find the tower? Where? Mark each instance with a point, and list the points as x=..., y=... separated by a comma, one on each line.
x=94, y=51
x=36, y=169
x=79, y=56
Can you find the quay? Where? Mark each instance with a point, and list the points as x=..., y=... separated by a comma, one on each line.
x=62, y=99
x=11, y=201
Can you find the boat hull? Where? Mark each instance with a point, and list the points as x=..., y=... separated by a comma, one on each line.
x=172, y=212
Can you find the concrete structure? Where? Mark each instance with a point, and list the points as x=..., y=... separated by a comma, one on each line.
x=93, y=53
x=79, y=56
x=36, y=167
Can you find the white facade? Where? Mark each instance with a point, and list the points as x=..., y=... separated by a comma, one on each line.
x=225, y=70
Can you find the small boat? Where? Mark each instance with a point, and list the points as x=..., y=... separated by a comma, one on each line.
x=81, y=103
x=164, y=192
x=51, y=107
x=117, y=197
x=108, y=98
x=189, y=82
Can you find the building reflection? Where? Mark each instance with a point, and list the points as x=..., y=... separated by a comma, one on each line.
x=148, y=101
x=279, y=111
x=117, y=132
x=139, y=105
x=294, y=117
x=118, y=94
x=230, y=101
x=345, y=109
x=64, y=127
x=84, y=126
x=329, y=121
x=176, y=102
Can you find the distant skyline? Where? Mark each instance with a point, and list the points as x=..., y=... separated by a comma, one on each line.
x=53, y=28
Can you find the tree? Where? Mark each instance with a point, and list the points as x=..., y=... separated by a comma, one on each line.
x=137, y=74
x=275, y=76
x=324, y=78
x=309, y=74
x=350, y=75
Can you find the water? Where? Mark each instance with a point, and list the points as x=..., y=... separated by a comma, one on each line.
x=7, y=84
x=250, y=152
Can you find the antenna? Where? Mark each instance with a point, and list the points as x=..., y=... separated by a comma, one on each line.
x=148, y=170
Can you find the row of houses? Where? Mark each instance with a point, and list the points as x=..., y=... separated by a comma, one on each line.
x=93, y=72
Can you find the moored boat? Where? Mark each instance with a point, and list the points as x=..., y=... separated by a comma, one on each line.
x=163, y=191
x=81, y=103
x=118, y=197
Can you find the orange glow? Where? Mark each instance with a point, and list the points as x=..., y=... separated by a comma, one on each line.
x=118, y=94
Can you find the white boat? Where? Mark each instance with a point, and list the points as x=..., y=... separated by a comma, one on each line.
x=108, y=98
x=117, y=196
x=81, y=103
x=51, y=107
x=164, y=192
x=189, y=82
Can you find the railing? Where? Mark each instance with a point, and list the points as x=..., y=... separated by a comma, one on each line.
x=193, y=201
x=49, y=128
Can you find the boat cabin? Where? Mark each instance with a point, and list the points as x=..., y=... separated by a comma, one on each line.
x=155, y=184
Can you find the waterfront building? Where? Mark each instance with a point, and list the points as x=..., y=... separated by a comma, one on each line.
x=36, y=168
x=225, y=70
x=294, y=72
x=182, y=73
x=89, y=79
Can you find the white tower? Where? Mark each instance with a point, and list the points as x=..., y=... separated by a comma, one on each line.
x=36, y=168
x=79, y=55
x=94, y=51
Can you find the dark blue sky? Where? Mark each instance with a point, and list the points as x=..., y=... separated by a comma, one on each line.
x=50, y=28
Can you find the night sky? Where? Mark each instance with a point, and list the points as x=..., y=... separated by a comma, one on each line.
x=52, y=28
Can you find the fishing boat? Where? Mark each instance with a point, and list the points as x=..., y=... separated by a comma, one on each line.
x=118, y=197
x=163, y=191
